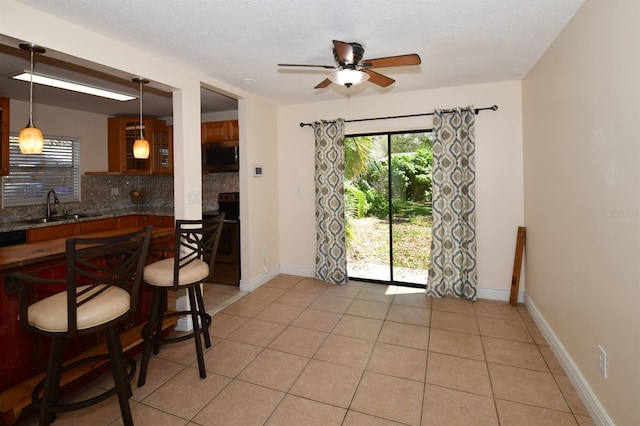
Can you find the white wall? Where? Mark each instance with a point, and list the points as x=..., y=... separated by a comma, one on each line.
x=499, y=189
x=258, y=195
x=582, y=201
x=53, y=121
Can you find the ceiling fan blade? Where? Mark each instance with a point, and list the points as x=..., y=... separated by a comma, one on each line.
x=379, y=79
x=392, y=61
x=330, y=67
x=343, y=51
x=324, y=83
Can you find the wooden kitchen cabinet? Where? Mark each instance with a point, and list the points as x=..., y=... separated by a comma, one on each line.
x=163, y=221
x=123, y=132
x=97, y=225
x=162, y=150
x=51, y=232
x=132, y=221
x=4, y=136
x=219, y=131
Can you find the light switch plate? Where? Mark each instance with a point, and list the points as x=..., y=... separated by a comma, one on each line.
x=193, y=196
x=602, y=361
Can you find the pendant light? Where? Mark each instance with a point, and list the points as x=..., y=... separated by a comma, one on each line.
x=30, y=138
x=141, y=145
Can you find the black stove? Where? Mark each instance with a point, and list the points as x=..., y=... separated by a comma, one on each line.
x=227, y=266
x=229, y=204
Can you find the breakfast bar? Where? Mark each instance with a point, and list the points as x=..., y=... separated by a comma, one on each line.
x=22, y=355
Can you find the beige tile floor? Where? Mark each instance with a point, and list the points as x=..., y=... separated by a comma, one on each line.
x=303, y=352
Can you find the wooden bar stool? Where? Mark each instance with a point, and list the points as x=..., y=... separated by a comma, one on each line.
x=102, y=282
x=195, y=247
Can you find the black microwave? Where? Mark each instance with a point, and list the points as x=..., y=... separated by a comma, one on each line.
x=221, y=157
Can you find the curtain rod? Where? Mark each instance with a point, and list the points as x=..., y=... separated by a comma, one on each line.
x=476, y=110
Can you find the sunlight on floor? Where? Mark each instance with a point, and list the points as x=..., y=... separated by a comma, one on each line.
x=372, y=271
x=409, y=290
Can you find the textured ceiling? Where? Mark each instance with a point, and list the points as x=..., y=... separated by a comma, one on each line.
x=460, y=42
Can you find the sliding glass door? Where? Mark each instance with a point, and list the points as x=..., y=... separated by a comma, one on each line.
x=388, y=199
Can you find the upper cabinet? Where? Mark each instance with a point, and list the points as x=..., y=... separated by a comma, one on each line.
x=123, y=132
x=220, y=131
x=162, y=150
x=4, y=136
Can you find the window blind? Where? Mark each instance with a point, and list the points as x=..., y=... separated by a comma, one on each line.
x=32, y=176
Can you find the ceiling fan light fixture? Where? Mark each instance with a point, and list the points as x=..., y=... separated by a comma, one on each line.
x=30, y=138
x=348, y=77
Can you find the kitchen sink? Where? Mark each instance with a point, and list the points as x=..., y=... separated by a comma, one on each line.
x=76, y=216
x=72, y=216
x=43, y=220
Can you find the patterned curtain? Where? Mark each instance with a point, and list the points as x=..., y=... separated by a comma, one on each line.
x=453, y=269
x=331, y=249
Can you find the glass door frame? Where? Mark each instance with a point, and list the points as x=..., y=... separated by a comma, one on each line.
x=389, y=135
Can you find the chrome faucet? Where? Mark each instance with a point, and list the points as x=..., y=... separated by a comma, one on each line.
x=55, y=201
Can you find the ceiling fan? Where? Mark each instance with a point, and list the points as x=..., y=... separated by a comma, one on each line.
x=351, y=69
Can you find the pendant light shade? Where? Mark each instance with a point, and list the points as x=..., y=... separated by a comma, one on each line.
x=141, y=145
x=30, y=139
x=348, y=77
x=141, y=149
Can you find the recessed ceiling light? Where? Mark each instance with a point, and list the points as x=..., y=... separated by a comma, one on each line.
x=247, y=80
x=75, y=87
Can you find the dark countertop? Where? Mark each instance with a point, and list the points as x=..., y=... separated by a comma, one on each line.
x=23, y=225
x=27, y=254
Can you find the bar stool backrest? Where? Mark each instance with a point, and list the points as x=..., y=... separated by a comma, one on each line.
x=196, y=240
x=93, y=266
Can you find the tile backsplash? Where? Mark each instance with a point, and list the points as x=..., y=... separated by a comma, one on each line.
x=112, y=192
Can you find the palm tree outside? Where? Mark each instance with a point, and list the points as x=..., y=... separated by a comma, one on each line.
x=388, y=206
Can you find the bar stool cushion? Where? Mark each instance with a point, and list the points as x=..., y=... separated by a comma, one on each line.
x=51, y=314
x=160, y=273
x=194, y=248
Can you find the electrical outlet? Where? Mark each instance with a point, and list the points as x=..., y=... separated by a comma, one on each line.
x=602, y=361
x=115, y=191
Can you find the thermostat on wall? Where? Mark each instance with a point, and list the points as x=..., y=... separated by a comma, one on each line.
x=258, y=170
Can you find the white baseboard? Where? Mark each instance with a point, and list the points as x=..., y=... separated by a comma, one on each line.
x=591, y=402
x=294, y=270
x=250, y=285
x=495, y=294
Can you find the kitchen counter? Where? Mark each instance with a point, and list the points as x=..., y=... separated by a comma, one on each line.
x=32, y=253
x=24, y=225
x=21, y=360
